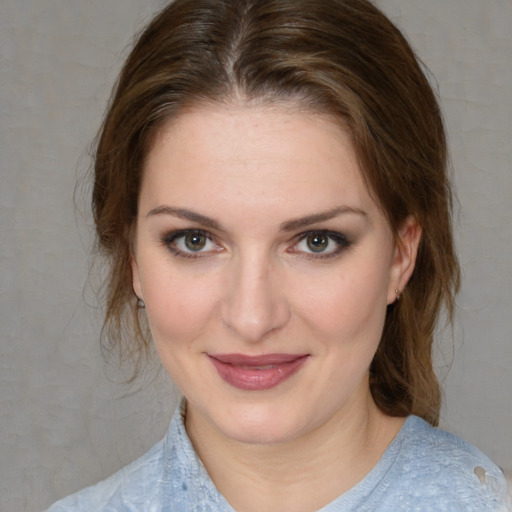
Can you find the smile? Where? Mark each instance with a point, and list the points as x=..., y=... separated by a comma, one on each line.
x=257, y=373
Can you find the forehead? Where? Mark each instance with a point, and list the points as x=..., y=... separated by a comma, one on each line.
x=257, y=156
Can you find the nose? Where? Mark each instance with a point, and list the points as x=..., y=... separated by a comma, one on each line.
x=254, y=304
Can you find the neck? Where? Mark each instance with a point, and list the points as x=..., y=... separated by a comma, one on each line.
x=331, y=459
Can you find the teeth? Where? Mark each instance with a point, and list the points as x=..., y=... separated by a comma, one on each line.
x=266, y=367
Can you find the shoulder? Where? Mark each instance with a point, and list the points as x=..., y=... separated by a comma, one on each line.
x=444, y=451
x=437, y=465
x=124, y=490
x=169, y=477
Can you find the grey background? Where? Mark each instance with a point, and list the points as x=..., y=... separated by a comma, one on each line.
x=65, y=419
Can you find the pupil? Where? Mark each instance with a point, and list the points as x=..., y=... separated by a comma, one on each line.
x=195, y=241
x=318, y=243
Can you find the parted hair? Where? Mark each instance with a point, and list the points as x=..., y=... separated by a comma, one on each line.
x=341, y=58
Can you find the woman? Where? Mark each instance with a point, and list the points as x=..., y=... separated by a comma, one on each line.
x=271, y=190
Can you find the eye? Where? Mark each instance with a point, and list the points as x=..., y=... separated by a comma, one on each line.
x=320, y=244
x=317, y=242
x=194, y=241
x=191, y=243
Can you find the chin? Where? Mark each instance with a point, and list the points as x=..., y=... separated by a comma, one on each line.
x=258, y=434
x=258, y=425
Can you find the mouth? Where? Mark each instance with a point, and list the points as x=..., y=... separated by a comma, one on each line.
x=257, y=373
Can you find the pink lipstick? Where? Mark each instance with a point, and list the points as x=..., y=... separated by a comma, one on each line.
x=257, y=373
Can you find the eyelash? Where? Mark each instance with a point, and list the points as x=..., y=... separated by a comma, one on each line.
x=338, y=238
x=170, y=238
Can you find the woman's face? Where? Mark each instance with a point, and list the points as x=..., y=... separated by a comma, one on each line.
x=266, y=269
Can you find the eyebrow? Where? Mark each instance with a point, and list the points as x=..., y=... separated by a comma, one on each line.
x=290, y=225
x=183, y=213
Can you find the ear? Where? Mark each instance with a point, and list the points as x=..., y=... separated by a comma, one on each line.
x=136, y=277
x=404, y=258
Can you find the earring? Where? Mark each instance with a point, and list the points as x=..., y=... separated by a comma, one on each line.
x=140, y=304
x=397, y=293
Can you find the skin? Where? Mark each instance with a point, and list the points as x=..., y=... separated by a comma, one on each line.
x=257, y=287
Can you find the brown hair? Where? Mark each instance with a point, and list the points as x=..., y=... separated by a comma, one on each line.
x=339, y=57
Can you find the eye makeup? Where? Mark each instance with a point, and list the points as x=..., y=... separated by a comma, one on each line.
x=190, y=243
x=320, y=244
x=195, y=243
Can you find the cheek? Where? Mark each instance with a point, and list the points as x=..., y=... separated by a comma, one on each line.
x=346, y=304
x=179, y=309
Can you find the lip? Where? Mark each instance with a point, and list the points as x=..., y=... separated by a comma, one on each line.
x=257, y=373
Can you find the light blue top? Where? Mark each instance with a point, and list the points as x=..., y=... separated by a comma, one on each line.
x=423, y=469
